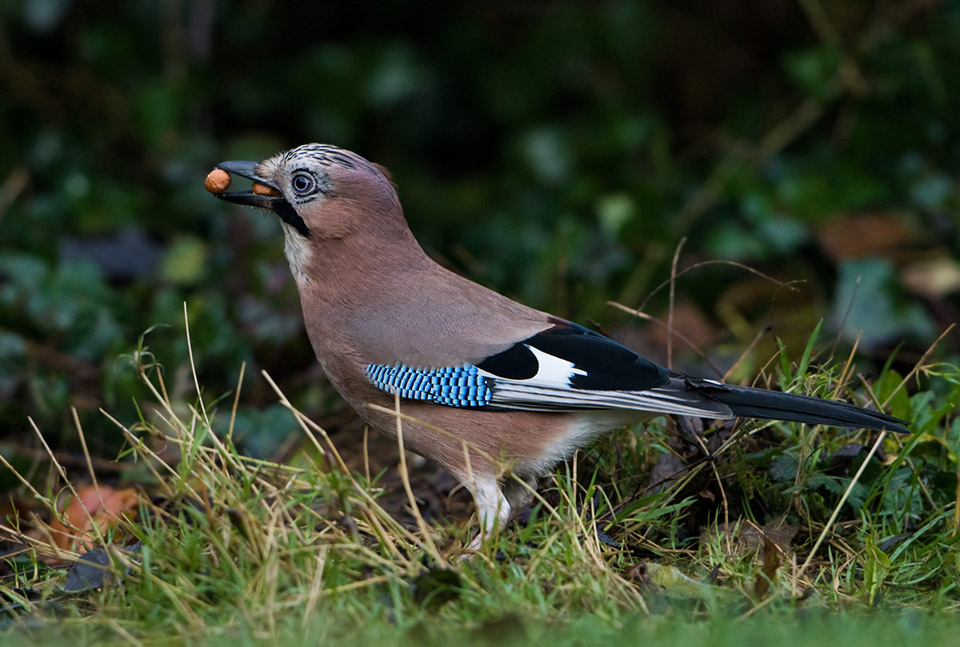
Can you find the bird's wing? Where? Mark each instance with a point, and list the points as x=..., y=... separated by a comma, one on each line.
x=570, y=368
x=564, y=368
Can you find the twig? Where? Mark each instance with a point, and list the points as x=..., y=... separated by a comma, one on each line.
x=919, y=364
x=23, y=480
x=847, y=368
x=227, y=456
x=673, y=290
x=753, y=343
x=696, y=266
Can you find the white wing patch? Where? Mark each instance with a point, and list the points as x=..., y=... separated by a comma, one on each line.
x=551, y=371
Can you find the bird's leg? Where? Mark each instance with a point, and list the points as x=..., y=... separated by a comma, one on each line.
x=493, y=509
x=520, y=494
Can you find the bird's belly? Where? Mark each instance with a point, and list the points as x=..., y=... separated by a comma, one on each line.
x=531, y=442
x=579, y=431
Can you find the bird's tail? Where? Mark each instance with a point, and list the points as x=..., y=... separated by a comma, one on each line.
x=747, y=402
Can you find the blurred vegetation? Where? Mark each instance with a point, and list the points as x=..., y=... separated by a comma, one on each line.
x=557, y=151
x=795, y=161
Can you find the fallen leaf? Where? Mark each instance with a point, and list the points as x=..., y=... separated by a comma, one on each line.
x=769, y=563
x=673, y=581
x=88, y=572
x=746, y=538
x=103, y=507
x=665, y=472
x=690, y=324
x=864, y=234
x=936, y=277
x=637, y=573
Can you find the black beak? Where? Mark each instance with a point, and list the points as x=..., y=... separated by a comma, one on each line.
x=249, y=171
x=275, y=203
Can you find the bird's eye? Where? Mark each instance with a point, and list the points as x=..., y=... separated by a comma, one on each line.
x=302, y=183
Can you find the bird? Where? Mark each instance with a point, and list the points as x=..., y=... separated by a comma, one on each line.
x=480, y=379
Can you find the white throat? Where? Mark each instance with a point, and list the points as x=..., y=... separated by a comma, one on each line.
x=297, y=252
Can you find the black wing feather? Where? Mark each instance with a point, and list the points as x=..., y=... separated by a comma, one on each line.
x=516, y=363
x=747, y=402
x=607, y=365
x=608, y=375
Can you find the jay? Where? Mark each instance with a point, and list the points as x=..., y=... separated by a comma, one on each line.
x=472, y=368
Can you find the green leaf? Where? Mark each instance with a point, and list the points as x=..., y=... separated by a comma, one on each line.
x=808, y=351
x=886, y=387
x=870, y=303
x=813, y=70
x=784, y=467
x=185, y=261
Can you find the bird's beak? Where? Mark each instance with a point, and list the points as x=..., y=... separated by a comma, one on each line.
x=249, y=171
x=274, y=202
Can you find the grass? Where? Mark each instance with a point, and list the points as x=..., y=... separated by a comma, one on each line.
x=761, y=532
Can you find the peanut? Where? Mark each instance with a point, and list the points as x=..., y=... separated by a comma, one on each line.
x=217, y=181
x=263, y=189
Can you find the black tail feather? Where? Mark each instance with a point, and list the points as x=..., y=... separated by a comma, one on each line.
x=748, y=402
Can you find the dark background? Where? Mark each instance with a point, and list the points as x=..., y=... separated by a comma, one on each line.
x=556, y=151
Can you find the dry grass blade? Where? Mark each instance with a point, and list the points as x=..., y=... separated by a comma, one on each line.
x=405, y=477
x=94, y=527
x=921, y=363
x=673, y=292
x=843, y=499
x=281, y=546
x=380, y=520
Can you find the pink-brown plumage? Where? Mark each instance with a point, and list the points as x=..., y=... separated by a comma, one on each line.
x=372, y=297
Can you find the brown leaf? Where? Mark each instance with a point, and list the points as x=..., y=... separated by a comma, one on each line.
x=103, y=508
x=690, y=322
x=864, y=234
x=750, y=538
x=665, y=472
x=637, y=573
x=770, y=562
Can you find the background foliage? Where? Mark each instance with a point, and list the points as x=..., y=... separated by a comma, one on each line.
x=567, y=153
x=557, y=151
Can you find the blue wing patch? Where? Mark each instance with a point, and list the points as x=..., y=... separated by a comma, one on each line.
x=454, y=386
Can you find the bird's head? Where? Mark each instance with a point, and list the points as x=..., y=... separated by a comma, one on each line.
x=338, y=211
x=320, y=191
